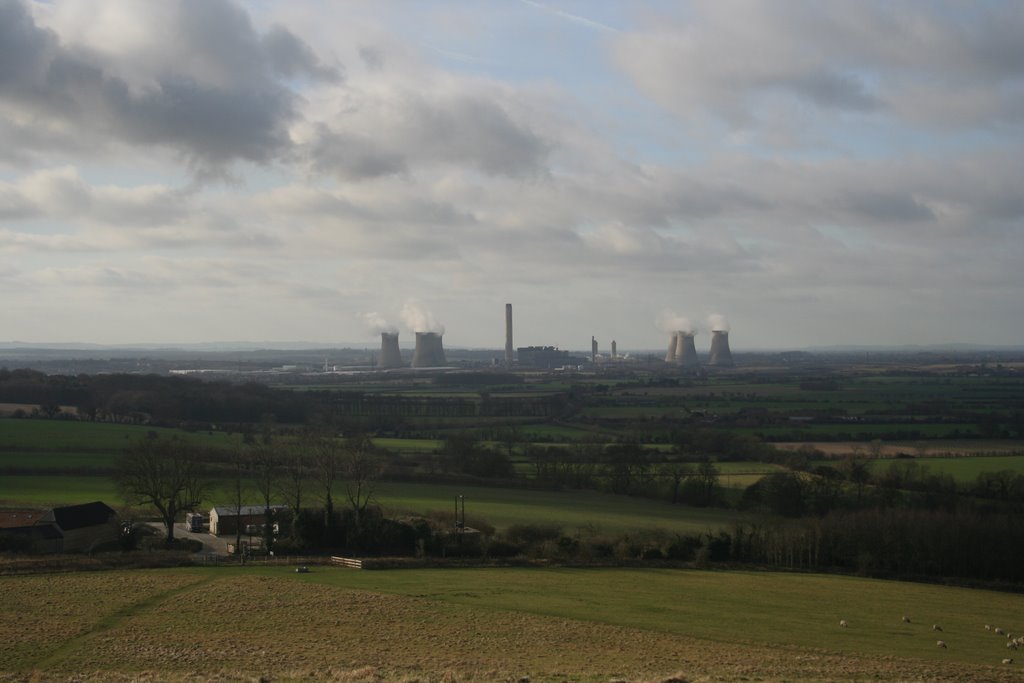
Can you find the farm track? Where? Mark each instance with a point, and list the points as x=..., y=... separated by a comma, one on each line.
x=113, y=621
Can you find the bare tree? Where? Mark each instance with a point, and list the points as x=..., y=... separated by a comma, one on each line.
x=326, y=468
x=291, y=480
x=167, y=474
x=264, y=465
x=362, y=465
x=238, y=487
x=675, y=471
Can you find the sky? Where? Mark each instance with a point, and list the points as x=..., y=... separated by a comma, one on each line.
x=805, y=173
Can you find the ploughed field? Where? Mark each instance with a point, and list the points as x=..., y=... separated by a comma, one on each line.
x=496, y=625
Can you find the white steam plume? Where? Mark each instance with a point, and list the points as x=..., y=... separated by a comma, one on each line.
x=418, y=319
x=718, y=323
x=670, y=321
x=377, y=324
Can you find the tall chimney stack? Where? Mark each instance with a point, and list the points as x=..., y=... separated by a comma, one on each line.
x=390, y=356
x=686, y=350
x=508, y=335
x=615, y=349
x=720, y=354
x=429, y=351
x=593, y=349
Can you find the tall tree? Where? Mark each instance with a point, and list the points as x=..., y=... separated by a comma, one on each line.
x=166, y=474
x=264, y=465
x=291, y=480
x=362, y=465
x=237, y=487
x=326, y=469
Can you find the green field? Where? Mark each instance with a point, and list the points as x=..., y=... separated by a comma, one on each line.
x=495, y=625
x=575, y=511
x=584, y=512
x=964, y=470
x=60, y=435
x=46, y=491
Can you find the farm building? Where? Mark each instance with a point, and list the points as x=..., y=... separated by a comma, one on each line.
x=228, y=520
x=85, y=526
x=70, y=529
x=22, y=529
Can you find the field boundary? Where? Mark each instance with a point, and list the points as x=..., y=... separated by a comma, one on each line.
x=349, y=562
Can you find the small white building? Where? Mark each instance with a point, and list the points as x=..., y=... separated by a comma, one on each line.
x=226, y=520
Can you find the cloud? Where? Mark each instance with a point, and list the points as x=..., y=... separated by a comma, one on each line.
x=192, y=76
x=897, y=61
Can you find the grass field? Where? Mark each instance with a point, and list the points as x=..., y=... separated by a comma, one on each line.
x=58, y=435
x=495, y=625
x=583, y=512
x=964, y=470
x=46, y=491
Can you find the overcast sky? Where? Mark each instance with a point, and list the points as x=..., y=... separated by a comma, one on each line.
x=815, y=172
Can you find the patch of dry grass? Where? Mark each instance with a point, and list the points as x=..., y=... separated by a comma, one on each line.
x=241, y=627
x=43, y=612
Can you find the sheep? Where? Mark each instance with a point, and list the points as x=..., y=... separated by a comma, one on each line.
x=1012, y=645
x=987, y=627
x=940, y=643
x=936, y=627
x=1008, y=660
x=906, y=619
x=1000, y=631
x=842, y=623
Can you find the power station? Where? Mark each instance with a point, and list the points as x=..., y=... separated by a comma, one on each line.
x=686, y=350
x=429, y=351
x=390, y=355
x=720, y=355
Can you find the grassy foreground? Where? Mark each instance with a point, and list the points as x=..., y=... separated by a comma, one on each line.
x=494, y=625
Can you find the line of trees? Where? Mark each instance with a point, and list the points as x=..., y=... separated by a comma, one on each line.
x=309, y=476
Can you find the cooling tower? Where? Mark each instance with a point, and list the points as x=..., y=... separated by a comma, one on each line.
x=686, y=351
x=508, y=335
x=720, y=354
x=670, y=357
x=390, y=356
x=429, y=352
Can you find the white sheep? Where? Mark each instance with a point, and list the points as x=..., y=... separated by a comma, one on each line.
x=842, y=623
x=1000, y=631
x=940, y=643
x=906, y=619
x=987, y=627
x=936, y=627
x=1008, y=660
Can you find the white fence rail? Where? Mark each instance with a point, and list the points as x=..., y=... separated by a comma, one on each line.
x=349, y=562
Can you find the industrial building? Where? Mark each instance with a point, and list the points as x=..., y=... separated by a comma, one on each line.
x=542, y=356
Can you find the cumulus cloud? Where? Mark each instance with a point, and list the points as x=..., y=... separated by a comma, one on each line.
x=783, y=163
x=901, y=59
x=195, y=77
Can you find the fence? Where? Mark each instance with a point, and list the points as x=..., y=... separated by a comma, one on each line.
x=347, y=562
